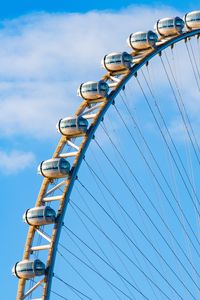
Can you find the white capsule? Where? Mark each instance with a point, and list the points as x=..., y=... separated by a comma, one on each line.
x=27, y=269
x=116, y=61
x=54, y=168
x=192, y=19
x=41, y=215
x=169, y=26
x=92, y=90
x=72, y=126
x=142, y=40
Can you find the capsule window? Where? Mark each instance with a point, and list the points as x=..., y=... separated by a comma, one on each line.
x=197, y=17
x=50, y=212
x=114, y=59
x=71, y=123
x=127, y=57
x=152, y=37
x=39, y=266
x=26, y=267
x=104, y=86
x=166, y=24
x=194, y=17
x=68, y=123
x=36, y=214
x=83, y=122
x=179, y=23
x=64, y=164
x=89, y=87
x=49, y=165
x=140, y=37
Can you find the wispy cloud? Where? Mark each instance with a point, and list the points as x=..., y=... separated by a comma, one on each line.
x=15, y=161
x=44, y=57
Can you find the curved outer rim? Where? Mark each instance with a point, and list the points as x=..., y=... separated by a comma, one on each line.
x=128, y=74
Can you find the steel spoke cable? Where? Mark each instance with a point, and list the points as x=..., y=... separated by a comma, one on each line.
x=30, y=295
x=190, y=125
x=99, y=274
x=79, y=274
x=112, y=244
x=94, y=252
x=180, y=111
x=180, y=247
x=103, y=252
x=57, y=294
x=178, y=105
x=95, y=267
x=75, y=290
x=187, y=247
x=147, y=240
x=112, y=212
x=117, y=161
x=155, y=176
x=193, y=69
x=183, y=215
x=142, y=253
x=182, y=103
x=63, y=297
x=176, y=150
x=198, y=48
x=176, y=39
x=174, y=63
x=60, y=296
x=194, y=58
x=102, y=259
x=130, y=170
x=31, y=282
x=120, y=250
x=149, y=149
x=115, y=253
x=195, y=205
x=174, y=160
x=162, y=174
x=147, y=214
x=127, y=228
x=66, y=229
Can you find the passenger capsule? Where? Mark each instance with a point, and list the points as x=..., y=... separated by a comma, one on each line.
x=41, y=215
x=142, y=40
x=27, y=269
x=192, y=19
x=54, y=168
x=169, y=26
x=72, y=126
x=92, y=90
x=117, y=61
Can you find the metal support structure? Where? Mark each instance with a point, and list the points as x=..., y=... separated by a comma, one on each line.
x=69, y=182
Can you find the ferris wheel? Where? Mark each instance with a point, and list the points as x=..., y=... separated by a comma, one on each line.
x=126, y=170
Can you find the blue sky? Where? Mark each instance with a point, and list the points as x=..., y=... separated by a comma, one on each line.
x=9, y=9
x=41, y=66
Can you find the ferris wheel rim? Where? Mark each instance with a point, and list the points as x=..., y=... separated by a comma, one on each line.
x=104, y=106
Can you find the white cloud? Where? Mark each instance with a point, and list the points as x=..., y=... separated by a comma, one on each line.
x=15, y=161
x=44, y=57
